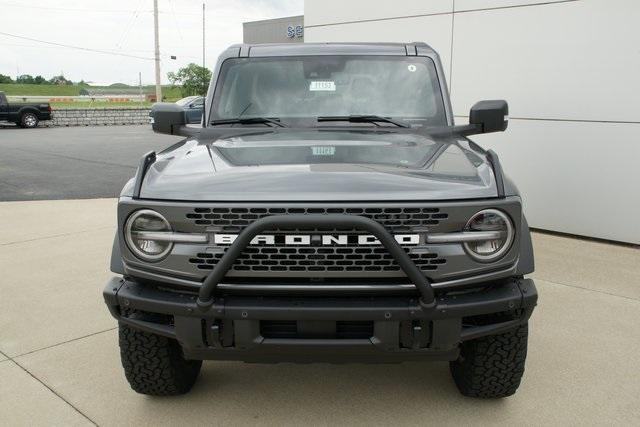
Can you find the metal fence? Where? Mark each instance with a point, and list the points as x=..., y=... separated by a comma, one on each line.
x=79, y=99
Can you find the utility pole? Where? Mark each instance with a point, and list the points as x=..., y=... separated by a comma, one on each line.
x=157, y=49
x=204, y=69
x=140, y=88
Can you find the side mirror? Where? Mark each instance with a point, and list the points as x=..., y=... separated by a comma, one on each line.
x=168, y=118
x=490, y=116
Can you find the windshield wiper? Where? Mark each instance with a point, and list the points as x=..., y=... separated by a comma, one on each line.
x=250, y=121
x=363, y=119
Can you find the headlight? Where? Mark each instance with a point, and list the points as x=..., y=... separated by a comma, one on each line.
x=139, y=226
x=491, y=220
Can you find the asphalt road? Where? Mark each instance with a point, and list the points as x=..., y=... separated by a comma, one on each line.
x=73, y=162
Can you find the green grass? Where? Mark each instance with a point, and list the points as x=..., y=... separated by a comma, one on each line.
x=13, y=89
x=171, y=94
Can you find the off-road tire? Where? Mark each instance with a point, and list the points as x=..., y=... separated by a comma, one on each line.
x=28, y=120
x=491, y=366
x=154, y=364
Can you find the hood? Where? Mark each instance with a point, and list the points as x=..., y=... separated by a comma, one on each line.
x=321, y=165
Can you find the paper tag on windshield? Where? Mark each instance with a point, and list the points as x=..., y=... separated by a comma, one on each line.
x=322, y=85
x=323, y=151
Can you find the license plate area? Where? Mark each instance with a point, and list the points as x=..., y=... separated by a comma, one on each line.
x=316, y=329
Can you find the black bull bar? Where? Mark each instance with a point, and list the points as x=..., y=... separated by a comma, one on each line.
x=415, y=275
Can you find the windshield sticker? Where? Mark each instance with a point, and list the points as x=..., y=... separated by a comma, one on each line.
x=322, y=86
x=411, y=68
x=323, y=151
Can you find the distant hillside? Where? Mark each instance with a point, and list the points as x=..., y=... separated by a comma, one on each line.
x=14, y=89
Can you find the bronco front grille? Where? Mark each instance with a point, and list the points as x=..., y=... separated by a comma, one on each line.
x=394, y=219
x=316, y=259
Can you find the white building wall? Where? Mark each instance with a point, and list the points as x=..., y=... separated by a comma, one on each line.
x=570, y=71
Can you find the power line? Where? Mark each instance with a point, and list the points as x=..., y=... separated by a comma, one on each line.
x=128, y=27
x=175, y=21
x=86, y=49
x=164, y=56
x=67, y=9
x=35, y=46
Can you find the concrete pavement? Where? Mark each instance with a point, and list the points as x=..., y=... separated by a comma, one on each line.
x=59, y=361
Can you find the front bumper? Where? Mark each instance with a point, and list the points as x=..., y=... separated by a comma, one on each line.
x=401, y=328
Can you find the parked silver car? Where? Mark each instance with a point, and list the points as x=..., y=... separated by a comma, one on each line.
x=193, y=107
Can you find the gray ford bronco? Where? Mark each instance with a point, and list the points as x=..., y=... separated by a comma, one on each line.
x=328, y=210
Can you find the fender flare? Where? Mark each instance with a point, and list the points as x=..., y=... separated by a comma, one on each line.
x=18, y=114
x=28, y=109
x=526, y=262
x=116, y=265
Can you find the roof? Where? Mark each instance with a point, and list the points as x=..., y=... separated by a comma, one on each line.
x=296, y=18
x=257, y=50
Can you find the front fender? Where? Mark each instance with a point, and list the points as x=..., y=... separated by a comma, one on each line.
x=526, y=263
x=116, y=265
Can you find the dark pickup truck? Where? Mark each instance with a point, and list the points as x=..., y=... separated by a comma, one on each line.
x=22, y=114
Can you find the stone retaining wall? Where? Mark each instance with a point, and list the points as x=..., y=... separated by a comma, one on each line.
x=98, y=117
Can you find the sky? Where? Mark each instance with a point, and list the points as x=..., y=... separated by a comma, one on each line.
x=123, y=27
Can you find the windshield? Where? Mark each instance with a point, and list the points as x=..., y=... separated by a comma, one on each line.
x=404, y=88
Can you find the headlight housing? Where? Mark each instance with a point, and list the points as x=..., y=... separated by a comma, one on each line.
x=146, y=221
x=490, y=220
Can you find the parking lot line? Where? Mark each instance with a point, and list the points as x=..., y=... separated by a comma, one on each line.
x=604, y=267
x=566, y=373
x=51, y=290
x=583, y=347
x=26, y=401
x=32, y=220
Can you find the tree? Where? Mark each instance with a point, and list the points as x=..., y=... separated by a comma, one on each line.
x=25, y=79
x=5, y=79
x=193, y=78
x=39, y=80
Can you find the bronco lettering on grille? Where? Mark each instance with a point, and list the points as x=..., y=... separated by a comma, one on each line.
x=317, y=239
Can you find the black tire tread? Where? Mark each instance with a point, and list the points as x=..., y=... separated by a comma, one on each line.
x=491, y=366
x=154, y=364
